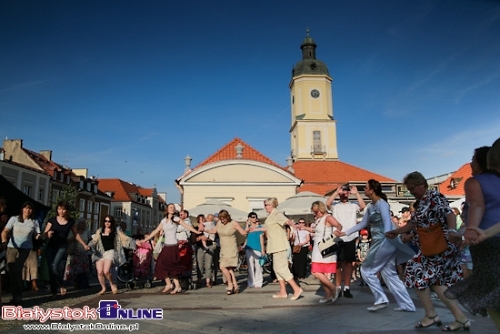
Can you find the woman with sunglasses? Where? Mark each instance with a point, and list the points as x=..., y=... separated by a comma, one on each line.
x=109, y=242
x=57, y=230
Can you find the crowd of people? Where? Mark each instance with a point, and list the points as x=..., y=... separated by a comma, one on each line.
x=431, y=247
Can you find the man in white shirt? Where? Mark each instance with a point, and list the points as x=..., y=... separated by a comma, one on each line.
x=346, y=214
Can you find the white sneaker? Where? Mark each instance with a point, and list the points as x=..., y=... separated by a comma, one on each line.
x=325, y=300
x=336, y=296
x=399, y=309
x=377, y=307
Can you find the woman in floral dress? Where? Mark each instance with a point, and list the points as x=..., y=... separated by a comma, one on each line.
x=439, y=271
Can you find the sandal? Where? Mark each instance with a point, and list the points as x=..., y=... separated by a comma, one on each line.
x=175, y=291
x=167, y=289
x=208, y=284
x=230, y=291
x=434, y=322
x=463, y=326
x=63, y=291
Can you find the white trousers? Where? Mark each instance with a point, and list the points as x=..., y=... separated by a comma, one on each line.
x=254, y=269
x=385, y=263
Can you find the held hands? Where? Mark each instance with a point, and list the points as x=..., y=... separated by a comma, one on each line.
x=391, y=234
x=339, y=234
x=407, y=237
x=481, y=235
x=472, y=236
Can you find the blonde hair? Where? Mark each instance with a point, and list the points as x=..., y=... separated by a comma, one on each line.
x=319, y=205
x=273, y=201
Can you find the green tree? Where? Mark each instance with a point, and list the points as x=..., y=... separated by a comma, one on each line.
x=69, y=195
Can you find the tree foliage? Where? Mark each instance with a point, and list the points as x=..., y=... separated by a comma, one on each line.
x=68, y=194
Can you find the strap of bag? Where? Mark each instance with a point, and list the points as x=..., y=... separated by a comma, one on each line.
x=324, y=230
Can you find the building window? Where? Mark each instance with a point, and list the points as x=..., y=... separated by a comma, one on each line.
x=27, y=189
x=89, y=206
x=55, y=195
x=82, y=205
x=96, y=207
x=118, y=213
x=317, y=147
x=41, y=193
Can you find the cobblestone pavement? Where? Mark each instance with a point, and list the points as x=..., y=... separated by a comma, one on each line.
x=252, y=310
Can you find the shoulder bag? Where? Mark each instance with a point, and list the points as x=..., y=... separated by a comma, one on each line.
x=329, y=245
x=432, y=240
x=296, y=249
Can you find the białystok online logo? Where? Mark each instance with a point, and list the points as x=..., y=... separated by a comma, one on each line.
x=108, y=310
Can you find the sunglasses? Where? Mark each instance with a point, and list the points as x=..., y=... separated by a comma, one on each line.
x=253, y=216
x=107, y=221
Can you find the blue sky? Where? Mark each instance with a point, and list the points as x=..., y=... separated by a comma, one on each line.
x=127, y=89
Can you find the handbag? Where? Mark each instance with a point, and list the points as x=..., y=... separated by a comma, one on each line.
x=296, y=249
x=329, y=245
x=262, y=260
x=159, y=245
x=432, y=240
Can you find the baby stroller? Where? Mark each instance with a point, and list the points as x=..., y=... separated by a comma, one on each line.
x=186, y=255
x=137, y=270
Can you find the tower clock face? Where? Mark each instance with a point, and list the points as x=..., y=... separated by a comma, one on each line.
x=315, y=93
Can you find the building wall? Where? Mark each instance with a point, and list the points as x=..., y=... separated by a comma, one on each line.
x=243, y=184
x=34, y=184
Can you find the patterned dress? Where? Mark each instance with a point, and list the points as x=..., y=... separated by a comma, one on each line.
x=442, y=269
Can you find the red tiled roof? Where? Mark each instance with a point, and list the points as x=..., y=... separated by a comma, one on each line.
x=122, y=189
x=322, y=177
x=228, y=152
x=146, y=192
x=459, y=177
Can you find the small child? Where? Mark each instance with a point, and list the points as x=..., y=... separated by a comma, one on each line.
x=208, y=226
x=363, y=247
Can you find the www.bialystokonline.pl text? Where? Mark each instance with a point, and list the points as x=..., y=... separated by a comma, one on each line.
x=81, y=327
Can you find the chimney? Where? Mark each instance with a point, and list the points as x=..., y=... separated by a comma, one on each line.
x=187, y=162
x=47, y=154
x=239, y=151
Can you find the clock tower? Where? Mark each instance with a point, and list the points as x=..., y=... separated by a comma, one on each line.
x=313, y=131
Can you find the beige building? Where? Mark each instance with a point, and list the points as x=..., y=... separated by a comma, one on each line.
x=238, y=175
x=140, y=208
